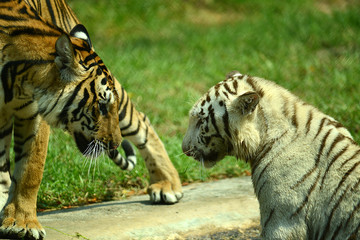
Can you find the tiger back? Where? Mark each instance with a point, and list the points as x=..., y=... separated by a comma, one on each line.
x=305, y=164
x=59, y=13
x=46, y=74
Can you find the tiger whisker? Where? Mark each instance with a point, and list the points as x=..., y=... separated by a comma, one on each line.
x=183, y=153
x=202, y=168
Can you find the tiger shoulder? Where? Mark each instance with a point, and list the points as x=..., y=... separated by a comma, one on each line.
x=305, y=164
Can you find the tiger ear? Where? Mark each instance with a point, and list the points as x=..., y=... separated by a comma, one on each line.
x=65, y=56
x=233, y=74
x=79, y=31
x=245, y=103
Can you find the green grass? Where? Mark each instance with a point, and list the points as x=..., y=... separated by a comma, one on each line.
x=168, y=53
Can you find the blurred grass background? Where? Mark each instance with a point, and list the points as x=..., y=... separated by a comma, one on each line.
x=168, y=53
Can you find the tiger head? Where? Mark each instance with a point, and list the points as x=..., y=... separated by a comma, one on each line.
x=90, y=101
x=222, y=122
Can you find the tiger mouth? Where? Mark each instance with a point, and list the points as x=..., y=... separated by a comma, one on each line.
x=208, y=159
x=81, y=142
x=92, y=147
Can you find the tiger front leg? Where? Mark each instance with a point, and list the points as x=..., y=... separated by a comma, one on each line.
x=5, y=141
x=165, y=185
x=19, y=215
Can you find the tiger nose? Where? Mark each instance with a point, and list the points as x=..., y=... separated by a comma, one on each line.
x=185, y=149
x=113, y=145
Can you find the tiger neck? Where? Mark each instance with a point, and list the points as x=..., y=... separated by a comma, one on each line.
x=272, y=126
x=35, y=80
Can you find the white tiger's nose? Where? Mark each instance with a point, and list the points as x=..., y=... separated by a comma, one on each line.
x=185, y=148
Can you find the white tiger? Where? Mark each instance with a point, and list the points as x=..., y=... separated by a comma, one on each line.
x=305, y=165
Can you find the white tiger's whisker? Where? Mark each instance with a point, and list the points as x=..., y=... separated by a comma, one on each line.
x=202, y=168
x=183, y=153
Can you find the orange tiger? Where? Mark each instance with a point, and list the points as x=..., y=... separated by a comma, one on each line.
x=165, y=185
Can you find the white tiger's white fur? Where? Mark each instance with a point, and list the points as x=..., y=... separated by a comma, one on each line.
x=305, y=165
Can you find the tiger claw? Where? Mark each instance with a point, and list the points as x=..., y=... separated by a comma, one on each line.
x=163, y=193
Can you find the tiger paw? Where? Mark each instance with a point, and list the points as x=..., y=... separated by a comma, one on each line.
x=164, y=192
x=20, y=228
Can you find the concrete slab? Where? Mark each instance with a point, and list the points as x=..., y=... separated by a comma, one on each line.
x=205, y=207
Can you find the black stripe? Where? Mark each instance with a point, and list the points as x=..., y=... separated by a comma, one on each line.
x=6, y=166
x=93, y=91
x=51, y=11
x=259, y=156
x=268, y=219
x=262, y=153
x=19, y=157
x=143, y=145
x=55, y=104
x=225, y=118
x=351, y=158
x=258, y=90
x=294, y=117
x=91, y=56
x=24, y=105
x=58, y=14
x=317, y=160
x=306, y=200
x=308, y=123
x=122, y=114
x=213, y=120
x=131, y=116
x=336, y=232
x=321, y=126
x=81, y=104
x=18, y=149
x=33, y=32
x=11, y=18
x=261, y=113
x=133, y=132
x=285, y=108
x=122, y=96
x=6, y=132
x=235, y=85
x=356, y=208
x=126, y=165
x=22, y=142
x=260, y=176
x=228, y=89
x=329, y=219
x=32, y=117
x=346, y=175
x=354, y=234
x=226, y=95
x=2, y=153
x=11, y=71
x=338, y=139
x=63, y=115
x=332, y=161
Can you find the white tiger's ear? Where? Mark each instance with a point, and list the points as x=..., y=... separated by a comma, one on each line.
x=65, y=57
x=245, y=103
x=79, y=31
x=233, y=74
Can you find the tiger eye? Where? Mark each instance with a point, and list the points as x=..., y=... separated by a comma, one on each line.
x=103, y=81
